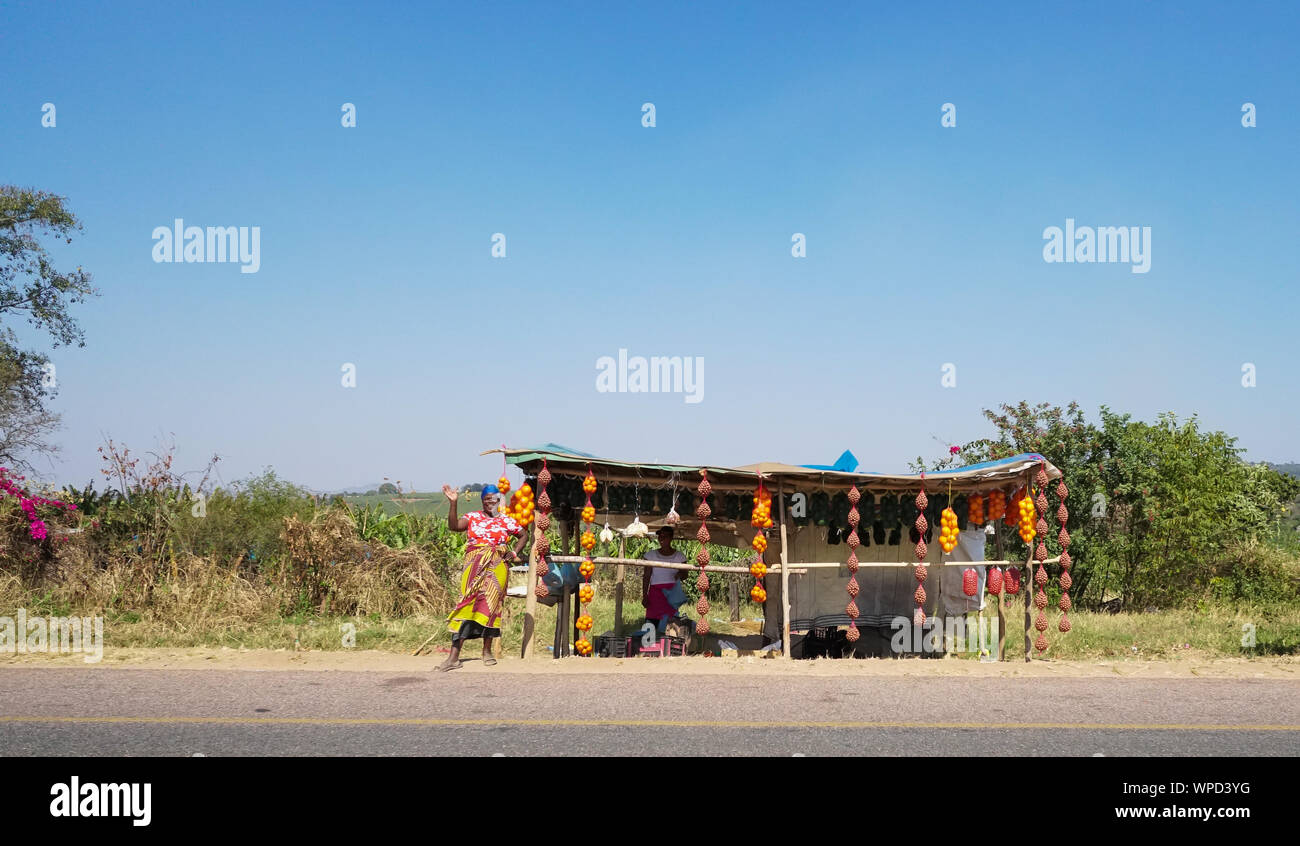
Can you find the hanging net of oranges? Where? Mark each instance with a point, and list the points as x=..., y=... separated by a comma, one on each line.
x=948, y=530
x=975, y=510
x=1011, y=517
x=1027, y=516
x=521, y=506
x=761, y=516
x=997, y=505
x=588, y=567
x=503, y=483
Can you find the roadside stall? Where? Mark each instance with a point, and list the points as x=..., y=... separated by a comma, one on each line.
x=834, y=556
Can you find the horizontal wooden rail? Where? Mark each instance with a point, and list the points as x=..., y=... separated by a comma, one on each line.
x=826, y=565
x=641, y=562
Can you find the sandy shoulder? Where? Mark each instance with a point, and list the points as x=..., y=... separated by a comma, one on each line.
x=263, y=659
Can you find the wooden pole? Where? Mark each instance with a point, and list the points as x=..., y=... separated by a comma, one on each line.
x=564, y=537
x=420, y=648
x=638, y=562
x=733, y=597
x=785, y=577
x=562, y=622
x=530, y=598
x=557, y=639
x=618, y=588
x=800, y=568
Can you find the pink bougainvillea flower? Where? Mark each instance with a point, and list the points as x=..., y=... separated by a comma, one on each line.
x=953, y=450
x=28, y=503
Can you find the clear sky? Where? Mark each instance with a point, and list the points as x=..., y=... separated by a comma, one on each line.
x=924, y=242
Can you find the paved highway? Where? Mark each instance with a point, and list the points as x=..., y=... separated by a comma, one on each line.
x=94, y=711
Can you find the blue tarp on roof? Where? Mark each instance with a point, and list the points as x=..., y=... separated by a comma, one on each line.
x=846, y=463
x=987, y=465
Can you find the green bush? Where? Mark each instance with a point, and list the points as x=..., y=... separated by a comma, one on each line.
x=1257, y=572
x=1161, y=514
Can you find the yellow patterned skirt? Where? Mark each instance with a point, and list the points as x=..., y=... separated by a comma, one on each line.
x=483, y=591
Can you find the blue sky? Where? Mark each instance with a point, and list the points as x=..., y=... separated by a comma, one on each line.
x=924, y=243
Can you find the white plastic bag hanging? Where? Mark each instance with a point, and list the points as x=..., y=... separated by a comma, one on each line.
x=636, y=529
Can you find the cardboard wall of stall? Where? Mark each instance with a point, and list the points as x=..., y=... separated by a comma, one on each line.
x=885, y=592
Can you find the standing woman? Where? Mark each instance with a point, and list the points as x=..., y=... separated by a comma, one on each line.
x=483, y=582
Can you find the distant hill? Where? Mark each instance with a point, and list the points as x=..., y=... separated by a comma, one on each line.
x=348, y=489
x=1292, y=469
x=413, y=503
x=359, y=489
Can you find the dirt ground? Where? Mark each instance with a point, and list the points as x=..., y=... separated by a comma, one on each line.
x=225, y=658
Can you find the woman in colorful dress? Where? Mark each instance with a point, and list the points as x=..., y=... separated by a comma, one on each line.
x=493, y=542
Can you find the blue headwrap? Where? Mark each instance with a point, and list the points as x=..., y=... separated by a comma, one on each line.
x=488, y=490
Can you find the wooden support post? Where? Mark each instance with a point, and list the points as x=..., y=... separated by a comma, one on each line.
x=530, y=599
x=559, y=629
x=562, y=624
x=733, y=597
x=785, y=577
x=564, y=537
x=618, y=588
x=937, y=598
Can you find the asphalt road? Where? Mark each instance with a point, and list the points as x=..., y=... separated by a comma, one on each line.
x=73, y=711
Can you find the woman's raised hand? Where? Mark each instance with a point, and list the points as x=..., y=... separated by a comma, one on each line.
x=450, y=492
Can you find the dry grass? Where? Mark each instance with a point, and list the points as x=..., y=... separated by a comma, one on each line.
x=195, y=600
x=328, y=568
x=1172, y=634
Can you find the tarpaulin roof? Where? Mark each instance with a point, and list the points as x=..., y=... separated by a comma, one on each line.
x=847, y=462
x=985, y=475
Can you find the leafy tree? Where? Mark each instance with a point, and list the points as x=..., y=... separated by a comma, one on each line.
x=388, y=488
x=1158, y=511
x=1065, y=438
x=31, y=288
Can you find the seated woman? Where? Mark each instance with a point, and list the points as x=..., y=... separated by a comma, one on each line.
x=492, y=543
x=658, y=584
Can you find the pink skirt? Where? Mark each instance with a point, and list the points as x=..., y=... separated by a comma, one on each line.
x=659, y=606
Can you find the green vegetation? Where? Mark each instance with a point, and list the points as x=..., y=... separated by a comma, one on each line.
x=181, y=562
x=33, y=290
x=1178, y=544
x=1161, y=514
x=401, y=502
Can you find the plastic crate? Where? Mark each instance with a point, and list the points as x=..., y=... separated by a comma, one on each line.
x=664, y=647
x=608, y=646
